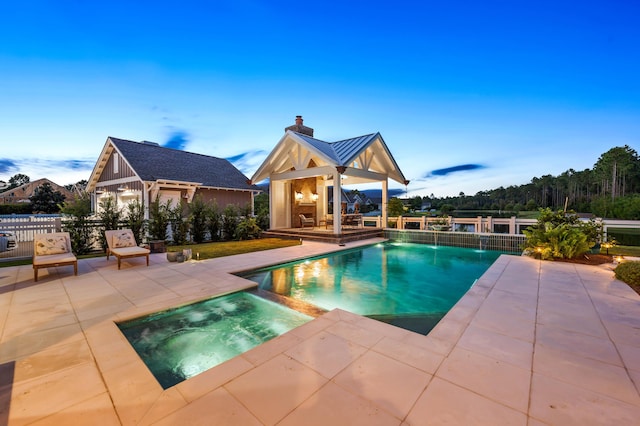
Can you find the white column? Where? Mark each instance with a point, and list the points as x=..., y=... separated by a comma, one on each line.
x=337, y=203
x=146, y=199
x=272, y=208
x=385, y=184
x=321, y=203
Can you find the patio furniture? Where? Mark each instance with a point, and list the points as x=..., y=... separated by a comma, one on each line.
x=306, y=221
x=52, y=249
x=328, y=220
x=352, y=220
x=122, y=244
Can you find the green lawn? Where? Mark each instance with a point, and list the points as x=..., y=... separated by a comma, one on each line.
x=228, y=248
x=206, y=250
x=15, y=263
x=622, y=251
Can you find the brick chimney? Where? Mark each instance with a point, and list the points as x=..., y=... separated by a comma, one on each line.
x=300, y=128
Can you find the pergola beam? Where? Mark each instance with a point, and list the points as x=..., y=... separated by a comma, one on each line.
x=304, y=173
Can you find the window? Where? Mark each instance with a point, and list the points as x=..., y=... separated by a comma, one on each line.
x=116, y=160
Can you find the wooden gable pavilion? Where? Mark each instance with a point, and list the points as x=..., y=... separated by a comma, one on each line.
x=301, y=170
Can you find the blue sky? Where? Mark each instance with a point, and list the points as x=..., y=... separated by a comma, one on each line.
x=468, y=96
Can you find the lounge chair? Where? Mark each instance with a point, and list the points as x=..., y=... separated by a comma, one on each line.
x=122, y=244
x=306, y=221
x=52, y=249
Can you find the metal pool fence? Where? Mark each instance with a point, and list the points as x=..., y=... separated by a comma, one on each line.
x=504, y=242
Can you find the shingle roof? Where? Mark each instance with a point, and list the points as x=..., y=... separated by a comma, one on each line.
x=152, y=162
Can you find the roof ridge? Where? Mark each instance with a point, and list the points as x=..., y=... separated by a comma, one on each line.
x=164, y=147
x=357, y=137
x=307, y=136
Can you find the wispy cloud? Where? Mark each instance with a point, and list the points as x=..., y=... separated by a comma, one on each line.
x=248, y=162
x=52, y=169
x=76, y=165
x=179, y=139
x=7, y=166
x=455, y=169
x=420, y=189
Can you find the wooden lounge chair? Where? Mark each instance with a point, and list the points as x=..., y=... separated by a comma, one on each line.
x=52, y=249
x=122, y=244
x=306, y=221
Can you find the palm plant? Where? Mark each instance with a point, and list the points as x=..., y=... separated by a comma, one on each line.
x=559, y=235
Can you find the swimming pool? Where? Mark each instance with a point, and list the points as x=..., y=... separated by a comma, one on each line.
x=180, y=343
x=406, y=284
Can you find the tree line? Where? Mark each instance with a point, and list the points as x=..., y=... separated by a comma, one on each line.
x=610, y=190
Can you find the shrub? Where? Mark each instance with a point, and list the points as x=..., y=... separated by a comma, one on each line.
x=230, y=221
x=135, y=219
x=262, y=220
x=109, y=213
x=198, y=219
x=214, y=221
x=395, y=207
x=245, y=211
x=179, y=224
x=593, y=230
x=159, y=219
x=559, y=235
x=81, y=232
x=261, y=202
x=562, y=241
x=629, y=272
x=247, y=229
x=261, y=206
x=109, y=216
x=22, y=208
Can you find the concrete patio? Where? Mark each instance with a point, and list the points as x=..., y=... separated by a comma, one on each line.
x=531, y=343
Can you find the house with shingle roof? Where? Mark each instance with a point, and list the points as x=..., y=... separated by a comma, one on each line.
x=128, y=170
x=352, y=202
x=303, y=170
x=23, y=193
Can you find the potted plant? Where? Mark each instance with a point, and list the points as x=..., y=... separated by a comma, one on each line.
x=441, y=223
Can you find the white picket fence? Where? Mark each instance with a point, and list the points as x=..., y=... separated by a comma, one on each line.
x=24, y=227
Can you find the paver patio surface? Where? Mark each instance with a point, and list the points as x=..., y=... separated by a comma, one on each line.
x=531, y=343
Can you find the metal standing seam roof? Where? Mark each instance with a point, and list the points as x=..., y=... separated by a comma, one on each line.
x=342, y=152
x=152, y=162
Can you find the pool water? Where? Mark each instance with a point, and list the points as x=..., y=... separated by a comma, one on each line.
x=406, y=284
x=178, y=344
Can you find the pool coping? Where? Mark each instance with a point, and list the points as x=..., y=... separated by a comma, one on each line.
x=514, y=322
